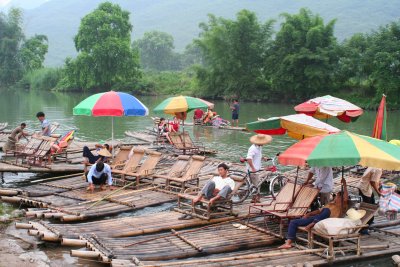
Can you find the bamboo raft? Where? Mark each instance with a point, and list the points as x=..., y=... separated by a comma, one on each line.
x=120, y=227
x=159, y=250
x=194, y=242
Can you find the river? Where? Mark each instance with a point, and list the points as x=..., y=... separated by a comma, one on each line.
x=21, y=106
x=18, y=106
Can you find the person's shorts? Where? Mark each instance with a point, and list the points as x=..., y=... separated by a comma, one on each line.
x=235, y=116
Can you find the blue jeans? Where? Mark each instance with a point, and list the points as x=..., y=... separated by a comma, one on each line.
x=294, y=224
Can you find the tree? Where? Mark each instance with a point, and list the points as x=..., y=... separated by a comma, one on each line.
x=33, y=52
x=156, y=51
x=234, y=54
x=11, y=36
x=303, y=58
x=105, y=53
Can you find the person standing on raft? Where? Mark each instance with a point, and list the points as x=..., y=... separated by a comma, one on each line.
x=99, y=174
x=254, y=158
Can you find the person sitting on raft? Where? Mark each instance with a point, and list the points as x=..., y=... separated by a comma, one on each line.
x=217, y=187
x=102, y=154
x=99, y=174
x=333, y=209
x=198, y=116
x=163, y=129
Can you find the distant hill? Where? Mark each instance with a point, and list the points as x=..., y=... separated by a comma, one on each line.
x=59, y=19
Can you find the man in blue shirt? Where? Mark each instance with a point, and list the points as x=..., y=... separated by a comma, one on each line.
x=235, y=112
x=99, y=174
x=45, y=124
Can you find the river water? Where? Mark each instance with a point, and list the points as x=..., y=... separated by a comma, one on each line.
x=21, y=106
x=18, y=106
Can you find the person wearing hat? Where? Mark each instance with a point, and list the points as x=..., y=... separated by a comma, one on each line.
x=254, y=158
x=99, y=174
x=102, y=151
x=334, y=209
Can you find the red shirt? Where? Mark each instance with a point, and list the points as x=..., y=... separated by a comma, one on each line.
x=198, y=114
x=175, y=126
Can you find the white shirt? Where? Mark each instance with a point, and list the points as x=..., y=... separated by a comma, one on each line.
x=323, y=178
x=95, y=173
x=45, y=123
x=370, y=175
x=221, y=182
x=255, y=154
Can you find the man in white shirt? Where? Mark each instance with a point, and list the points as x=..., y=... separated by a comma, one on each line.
x=254, y=158
x=370, y=181
x=99, y=174
x=217, y=187
x=323, y=180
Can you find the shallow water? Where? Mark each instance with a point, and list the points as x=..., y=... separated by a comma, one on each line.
x=21, y=106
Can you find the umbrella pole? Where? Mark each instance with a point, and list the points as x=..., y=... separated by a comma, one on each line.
x=112, y=136
x=183, y=135
x=295, y=183
x=342, y=190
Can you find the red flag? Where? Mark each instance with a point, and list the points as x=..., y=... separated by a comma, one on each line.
x=379, y=131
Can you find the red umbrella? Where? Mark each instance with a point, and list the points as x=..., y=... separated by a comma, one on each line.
x=379, y=131
x=327, y=106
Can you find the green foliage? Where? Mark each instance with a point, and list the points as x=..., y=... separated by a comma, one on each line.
x=156, y=51
x=105, y=54
x=169, y=82
x=303, y=57
x=11, y=37
x=370, y=65
x=42, y=79
x=234, y=53
x=33, y=51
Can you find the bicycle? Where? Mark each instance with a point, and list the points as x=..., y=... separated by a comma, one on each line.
x=274, y=180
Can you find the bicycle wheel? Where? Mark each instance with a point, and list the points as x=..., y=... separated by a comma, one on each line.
x=244, y=190
x=276, y=184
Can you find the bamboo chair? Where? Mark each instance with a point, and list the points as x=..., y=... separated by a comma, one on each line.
x=30, y=148
x=176, y=139
x=132, y=163
x=281, y=203
x=121, y=158
x=197, y=146
x=353, y=237
x=176, y=170
x=183, y=178
x=299, y=208
x=206, y=211
x=43, y=153
x=146, y=169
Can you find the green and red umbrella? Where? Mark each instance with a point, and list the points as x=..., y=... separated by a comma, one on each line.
x=342, y=149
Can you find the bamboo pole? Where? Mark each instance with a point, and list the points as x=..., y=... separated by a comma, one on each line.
x=108, y=195
x=85, y=254
x=57, y=178
x=8, y=192
x=243, y=257
x=23, y=225
x=73, y=242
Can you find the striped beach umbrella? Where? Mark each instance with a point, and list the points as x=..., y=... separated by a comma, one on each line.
x=342, y=149
x=298, y=126
x=328, y=106
x=179, y=104
x=379, y=130
x=111, y=104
